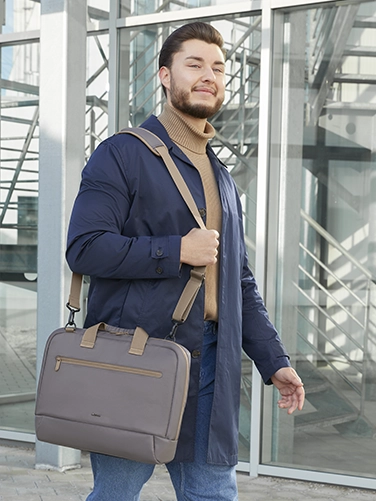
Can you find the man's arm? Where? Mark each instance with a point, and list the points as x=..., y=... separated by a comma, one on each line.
x=96, y=243
x=263, y=345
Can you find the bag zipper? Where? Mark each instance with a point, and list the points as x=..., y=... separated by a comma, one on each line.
x=101, y=365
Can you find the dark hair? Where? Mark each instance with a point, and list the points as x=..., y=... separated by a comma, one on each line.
x=191, y=31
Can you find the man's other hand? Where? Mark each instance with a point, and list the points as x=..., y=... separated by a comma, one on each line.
x=290, y=387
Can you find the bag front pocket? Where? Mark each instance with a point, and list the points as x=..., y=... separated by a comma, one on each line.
x=101, y=365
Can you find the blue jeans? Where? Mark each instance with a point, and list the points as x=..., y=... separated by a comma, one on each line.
x=118, y=479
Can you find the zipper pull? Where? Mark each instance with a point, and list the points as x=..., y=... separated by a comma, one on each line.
x=58, y=363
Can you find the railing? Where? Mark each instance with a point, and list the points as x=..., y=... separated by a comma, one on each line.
x=347, y=313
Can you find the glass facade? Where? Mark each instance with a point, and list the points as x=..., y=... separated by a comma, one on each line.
x=323, y=161
x=19, y=145
x=19, y=15
x=307, y=74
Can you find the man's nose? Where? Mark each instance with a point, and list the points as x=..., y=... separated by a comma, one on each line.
x=208, y=75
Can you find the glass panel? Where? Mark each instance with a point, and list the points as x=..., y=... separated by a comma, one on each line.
x=20, y=15
x=18, y=234
x=141, y=7
x=140, y=95
x=324, y=179
x=97, y=86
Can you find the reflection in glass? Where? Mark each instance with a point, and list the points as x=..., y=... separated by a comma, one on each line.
x=324, y=148
x=140, y=95
x=97, y=87
x=20, y=15
x=18, y=234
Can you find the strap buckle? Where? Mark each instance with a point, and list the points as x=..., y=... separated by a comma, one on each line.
x=71, y=324
x=172, y=335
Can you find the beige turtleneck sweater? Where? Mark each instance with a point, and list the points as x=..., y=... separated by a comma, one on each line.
x=193, y=144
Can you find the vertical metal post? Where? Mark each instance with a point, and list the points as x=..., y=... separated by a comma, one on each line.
x=261, y=217
x=2, y=14
x=62, y=141
x=113, y=64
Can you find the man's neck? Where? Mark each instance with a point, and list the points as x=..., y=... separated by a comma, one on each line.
x=184, y=133
x=199, y=123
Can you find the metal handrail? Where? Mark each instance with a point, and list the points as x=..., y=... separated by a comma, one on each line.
x=334, y=243
x=330, y=318
x=328, y=361
x=330, y=272
x=330, y=295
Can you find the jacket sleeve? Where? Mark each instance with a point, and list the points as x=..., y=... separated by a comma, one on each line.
x=96, y=244
x=261, y=341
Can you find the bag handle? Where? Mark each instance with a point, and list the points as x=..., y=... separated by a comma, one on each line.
x=197, y=275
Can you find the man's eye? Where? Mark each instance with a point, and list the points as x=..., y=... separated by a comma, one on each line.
x=218, y=70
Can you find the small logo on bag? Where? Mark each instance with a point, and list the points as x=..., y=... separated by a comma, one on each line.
x=95, y=415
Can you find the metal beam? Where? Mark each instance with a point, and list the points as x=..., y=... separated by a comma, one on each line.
x=62, y=145
x=19, y=87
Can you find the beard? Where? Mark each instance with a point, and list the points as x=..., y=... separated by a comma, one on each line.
x=180, y=100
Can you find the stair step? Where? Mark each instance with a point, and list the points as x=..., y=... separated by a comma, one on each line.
x=331, y=406
x=355, y=78
x=360, y=51
x=312, y=420
x=315, y=387
x=365, y=22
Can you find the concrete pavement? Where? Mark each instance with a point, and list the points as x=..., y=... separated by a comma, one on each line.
x=20, y=481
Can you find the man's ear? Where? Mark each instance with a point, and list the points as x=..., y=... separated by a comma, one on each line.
x=164, y=77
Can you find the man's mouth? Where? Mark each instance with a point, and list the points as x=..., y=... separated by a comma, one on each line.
x=205, y=89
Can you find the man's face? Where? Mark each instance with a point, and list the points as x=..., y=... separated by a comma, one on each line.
x=195, y=83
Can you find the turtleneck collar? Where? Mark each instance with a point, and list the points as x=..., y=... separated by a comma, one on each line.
x=183, y=133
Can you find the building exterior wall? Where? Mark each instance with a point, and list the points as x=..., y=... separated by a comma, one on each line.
x=297, y=134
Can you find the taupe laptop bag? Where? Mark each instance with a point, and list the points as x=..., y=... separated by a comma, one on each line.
x=118, y=391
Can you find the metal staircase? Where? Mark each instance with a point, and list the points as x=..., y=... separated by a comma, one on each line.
x=336, y=304
x=336, y=307
x=19, y=161
x=335, y=336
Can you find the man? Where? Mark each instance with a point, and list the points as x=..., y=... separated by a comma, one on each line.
x=133, y=234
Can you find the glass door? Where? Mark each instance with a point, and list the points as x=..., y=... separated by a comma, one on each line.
x=322, y=236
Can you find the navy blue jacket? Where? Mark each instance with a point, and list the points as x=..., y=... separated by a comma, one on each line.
x=125, y=232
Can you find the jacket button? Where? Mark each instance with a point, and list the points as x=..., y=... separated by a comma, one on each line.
x=159, y=270
x=159, y=252
x=196, y=353
x=202, y=212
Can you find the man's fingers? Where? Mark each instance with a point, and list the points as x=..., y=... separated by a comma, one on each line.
x=199, y=247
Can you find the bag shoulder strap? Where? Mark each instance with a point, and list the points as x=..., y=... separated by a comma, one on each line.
x=158, y=147
x=197, y=276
